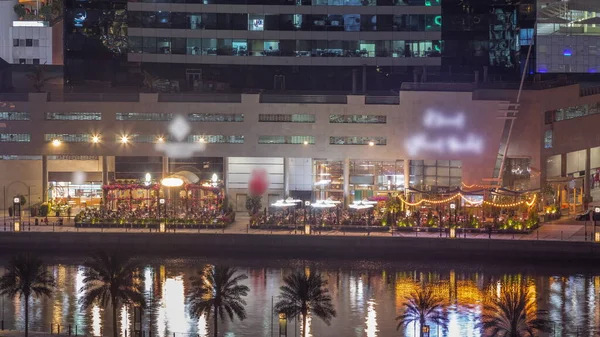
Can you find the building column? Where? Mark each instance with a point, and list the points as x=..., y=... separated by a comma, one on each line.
x=226, y=176
x=44, y=178
x=346, y=181
x=286, y=177
x=563, y=165
x=165, y=167
x=587, y=181
x=104, y=170
x=406, y=175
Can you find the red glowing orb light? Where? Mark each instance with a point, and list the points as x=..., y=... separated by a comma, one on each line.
x=258, y=182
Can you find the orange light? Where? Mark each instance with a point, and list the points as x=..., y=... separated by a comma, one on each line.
x=56, y=142
x=124, y=139
x=96, y=139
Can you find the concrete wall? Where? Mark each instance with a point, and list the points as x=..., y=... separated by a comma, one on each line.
x=301, y=246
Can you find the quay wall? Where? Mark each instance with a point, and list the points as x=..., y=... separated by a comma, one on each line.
x=299, y=246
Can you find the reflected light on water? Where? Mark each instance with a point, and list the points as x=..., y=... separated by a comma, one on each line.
x=96, y=321
x=148, y=280
x=124, y=321
x=371, y=320
x=202, y=326
x=171, y=313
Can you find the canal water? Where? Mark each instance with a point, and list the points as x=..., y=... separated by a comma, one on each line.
x=367, y=295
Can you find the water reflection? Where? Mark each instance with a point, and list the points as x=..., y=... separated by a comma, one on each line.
x=367, y=301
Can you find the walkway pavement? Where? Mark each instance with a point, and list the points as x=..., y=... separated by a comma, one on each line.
x=564, y=229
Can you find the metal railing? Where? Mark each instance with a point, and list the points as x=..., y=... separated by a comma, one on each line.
x=382, y=100
x=589, y=91
x=93, y=97
x=304, y=99
x=200, y=97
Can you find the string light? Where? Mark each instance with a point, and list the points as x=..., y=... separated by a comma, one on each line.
x=470, y=202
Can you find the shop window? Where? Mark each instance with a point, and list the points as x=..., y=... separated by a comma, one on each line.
x=287, y=118
x=144, y=116
x=357, y=140
x=358, y=119
x=68, y=137
x=216, y=139
x=548, y=135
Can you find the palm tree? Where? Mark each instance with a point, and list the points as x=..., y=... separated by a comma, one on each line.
x=112, y=278
x=216, y=290
x=303, y=294
x=513, y=314
x=26, y=276
x=423, y=306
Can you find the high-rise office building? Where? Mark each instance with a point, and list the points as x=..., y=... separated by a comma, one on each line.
x=200, y=45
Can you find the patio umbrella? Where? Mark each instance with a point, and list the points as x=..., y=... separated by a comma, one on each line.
x=360, y=205
x=364, y=202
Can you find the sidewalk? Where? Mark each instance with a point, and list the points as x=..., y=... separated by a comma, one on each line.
x=569, y=230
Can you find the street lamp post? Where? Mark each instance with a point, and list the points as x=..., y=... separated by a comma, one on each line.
x=595, y=215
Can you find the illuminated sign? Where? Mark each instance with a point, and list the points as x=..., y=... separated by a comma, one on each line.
x=437, y=140
x=30, y=24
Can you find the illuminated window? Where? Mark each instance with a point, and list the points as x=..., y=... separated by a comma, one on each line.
x=207, y=117
x=357, y=140
x=435, y=175
x=14, y=157
x=144, y=116
x=548, y=135
x=526, y=36
x=73, y=116
x=137, y=138
x=14, y=116
x=72, y=157
x=286, y=140
x=68, y=137
x=216, y=139
x=287, y=118
x=358, y=119
x=15, y=137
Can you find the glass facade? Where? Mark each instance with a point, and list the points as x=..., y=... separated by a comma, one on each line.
x=435, y=175
x=349, y=140
x=14, y=116
x=68, y=137
x=568, y=36
x=290, y=48
x=358, y=119
x=216, y=139
x=328, y=179
x=287, y=118
x=286, y=140
x=73, y=116
x=208, y=117
x=548, y=137
x=15, y=137
x=287, y=22
x=368, y=178
x=427, y=3
x=144, y=116
x=571, y=112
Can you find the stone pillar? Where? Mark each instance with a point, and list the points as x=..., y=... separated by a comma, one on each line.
x=104, y=170
x=165, y=167
x=286, y=177
x=587, y=181
x=226, y=175
x=44, y=178
x=346, y=181
x=406, y=175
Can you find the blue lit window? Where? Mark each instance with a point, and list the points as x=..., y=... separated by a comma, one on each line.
x=567, y=52
x=525, y=36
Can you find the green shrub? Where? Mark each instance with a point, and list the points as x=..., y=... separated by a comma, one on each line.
x=44, y=208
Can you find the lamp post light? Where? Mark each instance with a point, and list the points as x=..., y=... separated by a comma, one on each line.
x=16, y=205
x=425, y=330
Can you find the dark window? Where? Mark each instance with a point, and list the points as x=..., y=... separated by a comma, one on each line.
x=163, y=19
x=148, y=19
x=15, y=42
x=240, y=21
x=179, y=20
x=224, y=21
x=22, y=61
x=150, y=45
x=178, y=45
x=36, y=61
x=549, y=117
x=28, y=43
x=209, y=21
x=134, y=19
x=135, y=44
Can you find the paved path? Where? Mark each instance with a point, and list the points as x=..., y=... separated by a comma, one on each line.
x=564, y=229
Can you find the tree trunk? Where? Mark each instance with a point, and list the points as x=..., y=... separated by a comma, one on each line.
x=216, y=322
x=304, y=324
x=26, y=315
x=115, y=322
x=422, y=324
